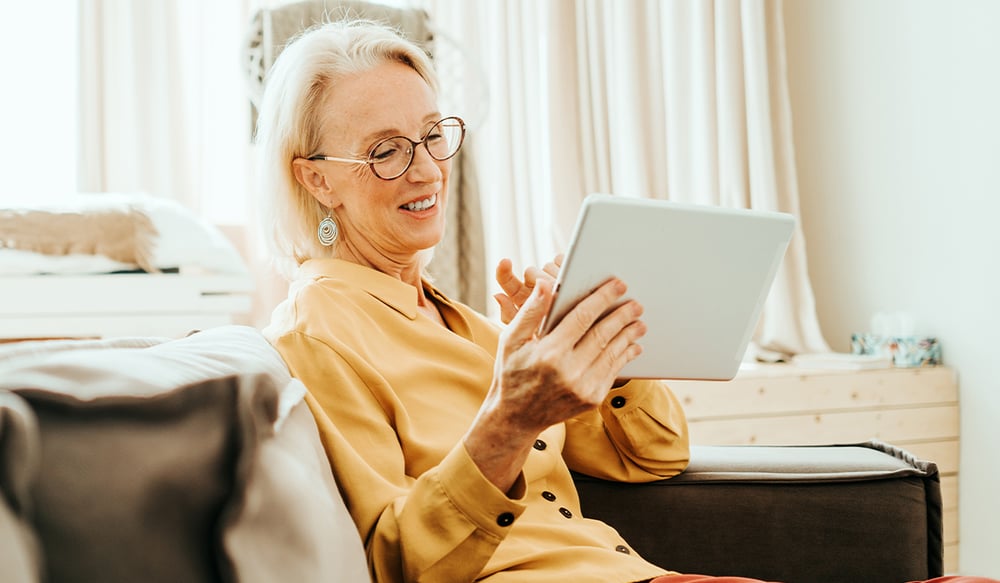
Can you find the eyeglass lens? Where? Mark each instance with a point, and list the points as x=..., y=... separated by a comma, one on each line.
x=390, y=158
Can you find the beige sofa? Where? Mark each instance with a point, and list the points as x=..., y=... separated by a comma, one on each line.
x=195, y=459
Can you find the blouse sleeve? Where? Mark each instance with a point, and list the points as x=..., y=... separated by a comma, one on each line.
x=638, y=434
x=441, y=526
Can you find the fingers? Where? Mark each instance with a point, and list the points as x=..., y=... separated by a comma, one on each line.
x=507, y=307
x=613, y=338
x=531, y=277
x=620, y=353
x=516, y=289
x=552, y=267
x=529, y=318
x=611, y=358
x=604, y=331
x=604, y=339
x=509, y=282
x=581, y=318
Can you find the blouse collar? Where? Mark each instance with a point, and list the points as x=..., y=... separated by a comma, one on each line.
x=396, y=294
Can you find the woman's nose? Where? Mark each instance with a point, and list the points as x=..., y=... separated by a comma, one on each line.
x=425, y=168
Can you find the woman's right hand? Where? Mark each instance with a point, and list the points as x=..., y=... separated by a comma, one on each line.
x=540, y=381
x=548, y=379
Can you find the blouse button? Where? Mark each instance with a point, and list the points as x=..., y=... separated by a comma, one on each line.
x=623, y=549
x=566, y=512
x=540, y=445
x=549, y=496
x=505, y=519
x=618, y=402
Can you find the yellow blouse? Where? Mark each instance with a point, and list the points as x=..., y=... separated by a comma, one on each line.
x=393, y=393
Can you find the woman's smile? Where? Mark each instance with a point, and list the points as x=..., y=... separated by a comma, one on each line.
x=421, y=205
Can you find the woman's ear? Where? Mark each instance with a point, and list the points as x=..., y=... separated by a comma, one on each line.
x=312, y=178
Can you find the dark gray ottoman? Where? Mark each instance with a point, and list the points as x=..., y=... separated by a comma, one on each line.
x=858, y=513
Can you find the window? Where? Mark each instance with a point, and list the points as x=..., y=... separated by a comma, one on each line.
x=38, y=144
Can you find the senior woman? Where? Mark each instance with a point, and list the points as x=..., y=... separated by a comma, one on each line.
x=452, y=440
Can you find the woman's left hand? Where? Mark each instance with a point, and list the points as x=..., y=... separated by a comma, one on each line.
x=517, y=291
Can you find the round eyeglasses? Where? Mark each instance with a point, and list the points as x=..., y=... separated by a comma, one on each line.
x=391, y=158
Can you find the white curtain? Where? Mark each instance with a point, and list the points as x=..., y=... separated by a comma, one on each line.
x=680, y=99
x=165, y=109
x=683, y=100
x=163, y=106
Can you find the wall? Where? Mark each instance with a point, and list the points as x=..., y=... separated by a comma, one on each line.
x=896, y=107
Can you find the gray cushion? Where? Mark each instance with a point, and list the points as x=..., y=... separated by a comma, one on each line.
x=823, y=464
x=19, y=560
x=188, y=460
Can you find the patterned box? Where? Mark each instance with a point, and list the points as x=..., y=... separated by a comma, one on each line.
x=905, y=351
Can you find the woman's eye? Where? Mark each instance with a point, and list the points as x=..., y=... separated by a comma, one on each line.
x=384, y=153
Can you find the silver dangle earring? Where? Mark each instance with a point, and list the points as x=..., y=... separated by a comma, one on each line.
x=328, y=231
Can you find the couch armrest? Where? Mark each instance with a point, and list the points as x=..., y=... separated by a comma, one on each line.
x=802, y=514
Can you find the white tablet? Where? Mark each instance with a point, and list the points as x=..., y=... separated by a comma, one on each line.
x=702, y=274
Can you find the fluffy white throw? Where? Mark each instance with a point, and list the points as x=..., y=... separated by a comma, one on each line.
x=121, y=234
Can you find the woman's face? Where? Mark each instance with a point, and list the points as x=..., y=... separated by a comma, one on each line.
x=383, y=219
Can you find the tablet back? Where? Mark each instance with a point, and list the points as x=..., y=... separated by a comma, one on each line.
x=702, y=274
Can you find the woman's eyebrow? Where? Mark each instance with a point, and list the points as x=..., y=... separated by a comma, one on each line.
x=429, y=120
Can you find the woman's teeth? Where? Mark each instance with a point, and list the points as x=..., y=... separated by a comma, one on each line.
x=421, y=205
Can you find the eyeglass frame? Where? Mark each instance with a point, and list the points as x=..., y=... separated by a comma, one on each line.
x=413, y=150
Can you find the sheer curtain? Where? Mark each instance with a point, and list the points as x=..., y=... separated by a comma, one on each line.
x=163, y=102
x=684, y=100
x=165, y=110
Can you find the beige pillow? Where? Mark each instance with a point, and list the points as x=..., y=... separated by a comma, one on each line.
x=164, y=464
x=19, y=560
